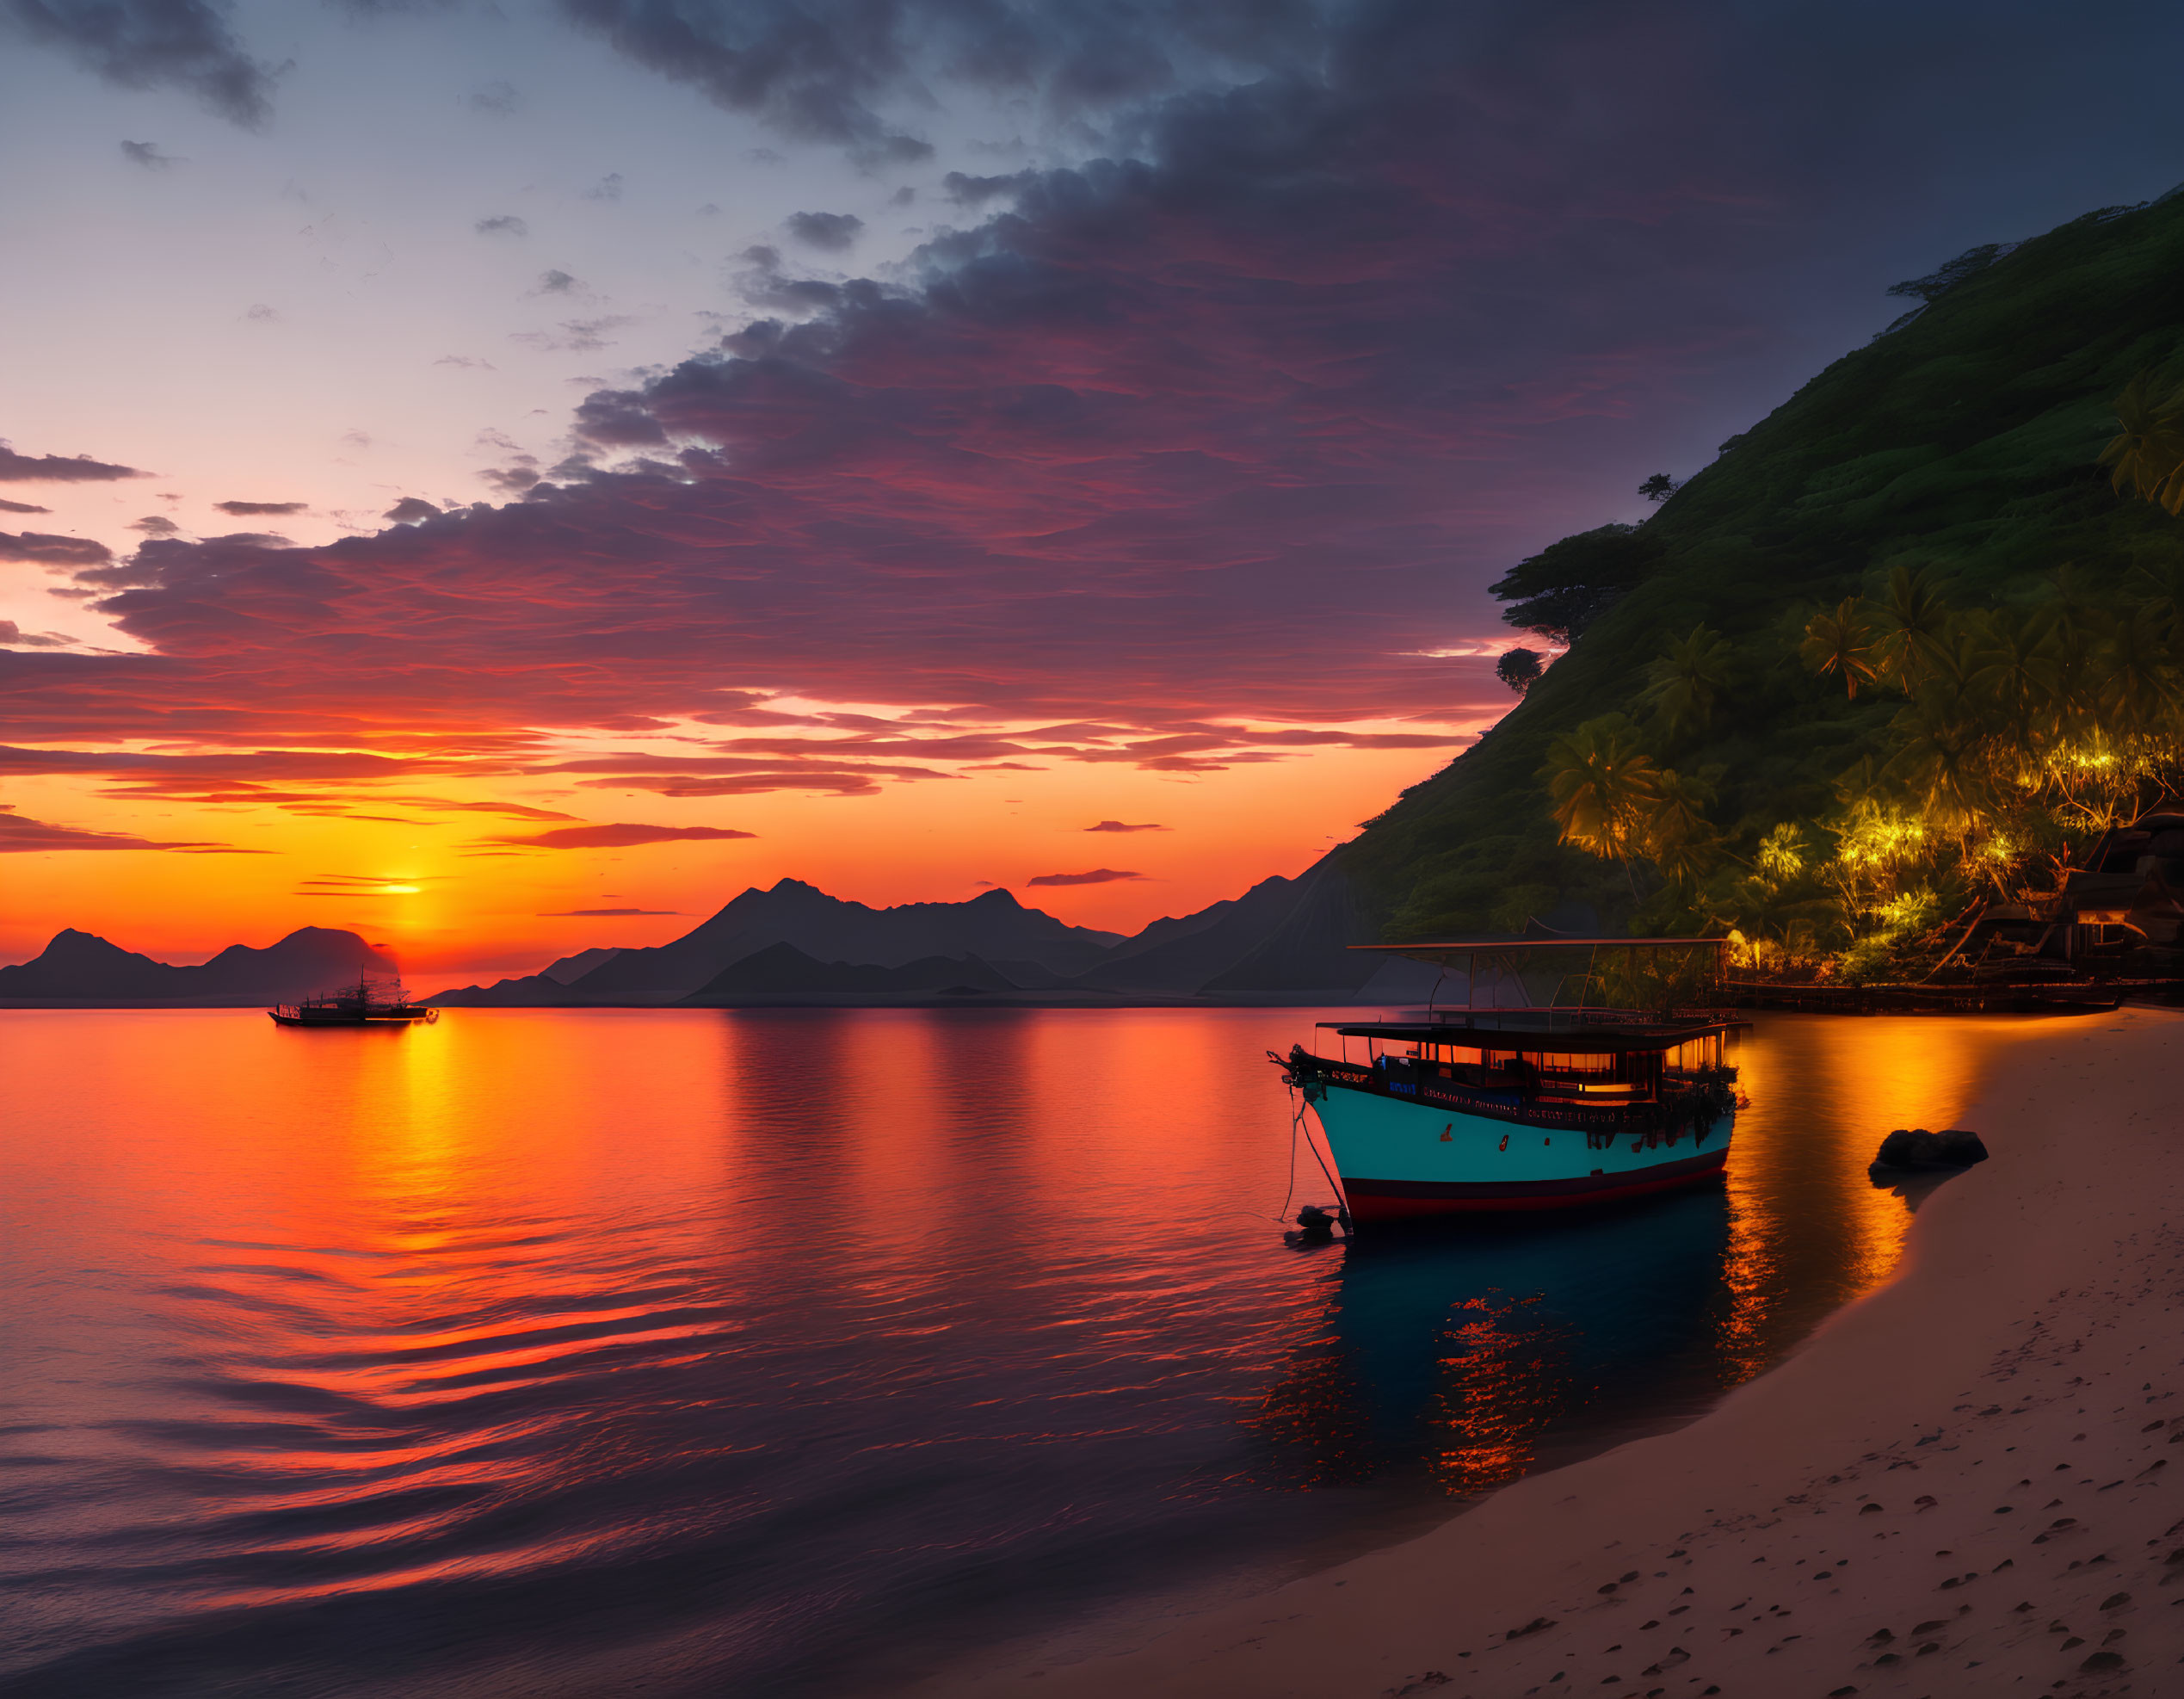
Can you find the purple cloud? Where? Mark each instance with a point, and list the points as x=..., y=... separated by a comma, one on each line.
x=1214, y=446
x=51, y=551
x=833, y=231
x=59, y=469
x=10, y=633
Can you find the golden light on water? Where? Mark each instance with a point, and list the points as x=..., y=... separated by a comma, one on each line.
x=1824, y=1091
x=583, y=1272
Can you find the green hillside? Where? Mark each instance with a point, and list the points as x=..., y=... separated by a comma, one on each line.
x=1961, y=443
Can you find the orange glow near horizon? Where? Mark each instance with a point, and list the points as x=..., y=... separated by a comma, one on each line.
x=453, y=907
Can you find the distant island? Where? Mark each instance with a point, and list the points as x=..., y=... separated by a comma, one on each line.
x=78, y=970
x=1283, y=941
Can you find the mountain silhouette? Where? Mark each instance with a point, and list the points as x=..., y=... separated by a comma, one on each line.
x=571, y=968
x=828, y=928
x=1282, y=938
x=82, y=967
x=1182, y=953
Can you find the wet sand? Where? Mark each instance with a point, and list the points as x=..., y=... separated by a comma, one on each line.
x=1963, y=1484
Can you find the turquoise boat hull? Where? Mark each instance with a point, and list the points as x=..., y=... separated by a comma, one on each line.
x=1399, y=1156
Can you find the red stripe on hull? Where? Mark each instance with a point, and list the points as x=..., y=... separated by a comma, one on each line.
x=1407, y=1200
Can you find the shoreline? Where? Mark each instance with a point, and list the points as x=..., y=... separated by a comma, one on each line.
x=1336, y=999
x=2004, y=1403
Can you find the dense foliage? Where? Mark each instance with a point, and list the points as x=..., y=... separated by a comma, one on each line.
x=1561, y=590
x=1907, y=640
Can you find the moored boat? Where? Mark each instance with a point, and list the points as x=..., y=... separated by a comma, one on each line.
x=368, y=1003
x=1527, y=1106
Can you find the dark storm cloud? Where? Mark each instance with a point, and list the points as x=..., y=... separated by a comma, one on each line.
x=1230, y=434
x=59, y=469
x=410, y=510
x=833, y=231
x=152, y=44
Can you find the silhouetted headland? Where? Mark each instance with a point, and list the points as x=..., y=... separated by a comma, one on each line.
x=81, y=970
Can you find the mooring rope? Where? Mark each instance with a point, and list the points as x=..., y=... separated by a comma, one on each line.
x=1296, y=1126
x=1332, y=1184
x=1297, y=1130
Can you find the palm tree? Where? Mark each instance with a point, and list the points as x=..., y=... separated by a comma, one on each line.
x=1678, y=836
x=2147, y=455
x=1943, y=760
x=1843, y=642
x=2080, y=630
x=1917, y=622
x=1684, y=683
x=2139, y=693
x=1781, y=853
x=1604, y=785
x=2156, y=594
x=2017, y=672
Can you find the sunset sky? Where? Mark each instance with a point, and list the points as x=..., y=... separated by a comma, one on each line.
x=470, y=466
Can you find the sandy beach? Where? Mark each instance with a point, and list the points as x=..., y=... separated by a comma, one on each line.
x=1963, y=1484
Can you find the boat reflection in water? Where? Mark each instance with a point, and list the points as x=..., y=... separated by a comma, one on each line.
x=787, y=1353
x=1476, y=1354
x=1462, y=1354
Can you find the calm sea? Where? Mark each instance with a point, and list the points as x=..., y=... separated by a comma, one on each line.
x=550, y=1353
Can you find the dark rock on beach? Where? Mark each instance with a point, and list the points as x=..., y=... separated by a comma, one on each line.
x=1916, y=1149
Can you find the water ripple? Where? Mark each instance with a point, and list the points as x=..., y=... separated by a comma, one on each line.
x=536, y=1353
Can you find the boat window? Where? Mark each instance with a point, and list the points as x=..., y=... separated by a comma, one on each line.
x=1564, y=1062
x=1695, y=1053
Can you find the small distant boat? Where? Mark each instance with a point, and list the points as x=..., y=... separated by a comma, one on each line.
x=1525, y=1104
x=368, y=1003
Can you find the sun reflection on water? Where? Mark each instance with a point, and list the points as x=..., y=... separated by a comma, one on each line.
x=561, y=1337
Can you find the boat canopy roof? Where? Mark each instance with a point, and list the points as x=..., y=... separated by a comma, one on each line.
x=1589, y=1039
